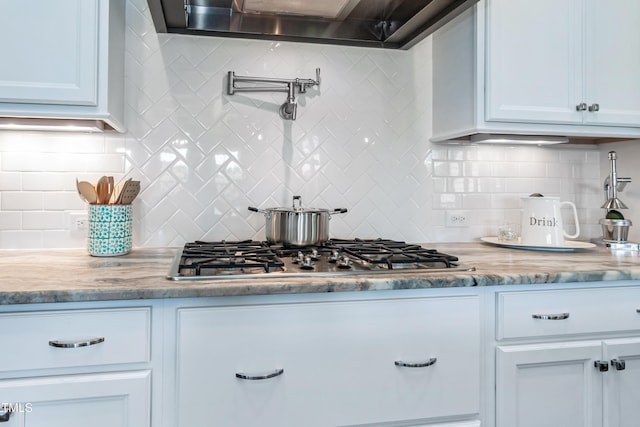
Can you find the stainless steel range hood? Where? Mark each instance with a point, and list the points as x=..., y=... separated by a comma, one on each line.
x=395, y=24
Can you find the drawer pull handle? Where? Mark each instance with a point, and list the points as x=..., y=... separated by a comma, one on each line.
x=559, y=316
x=416, y=365
x=6, y=415
x=75, y=343
x=273, y=374
x=602, y=366
x=618, y=364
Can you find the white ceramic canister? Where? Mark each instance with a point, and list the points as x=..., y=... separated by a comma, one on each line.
x=542, y=223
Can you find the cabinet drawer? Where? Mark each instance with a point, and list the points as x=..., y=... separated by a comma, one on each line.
x=567, y=312
x=69, y=338
x=333, y=363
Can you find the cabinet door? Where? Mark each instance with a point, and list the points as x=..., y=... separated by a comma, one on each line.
x=621, y=393
x=49, y=54
x=612, y=61
x=533, y=61
x=399, y=360
x=99, y=400
x=261, y=366
x=549, y=385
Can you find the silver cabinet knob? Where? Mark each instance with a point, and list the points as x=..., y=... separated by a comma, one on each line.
x=581, y=107
x=594, y=107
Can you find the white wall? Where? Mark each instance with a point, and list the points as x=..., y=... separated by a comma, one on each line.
x=360, y=142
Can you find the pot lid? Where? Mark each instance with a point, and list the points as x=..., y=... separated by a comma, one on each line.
x=297, y=207
x=297, y=210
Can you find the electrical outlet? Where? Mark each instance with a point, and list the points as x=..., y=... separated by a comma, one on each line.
x=457, y=219
x=78, y=221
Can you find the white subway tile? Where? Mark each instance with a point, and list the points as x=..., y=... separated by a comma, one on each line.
x=10, y=220
x=505, y=201
x=64, y=239
x=44, y=220
x=22, y=201
x=21, y=239
x=63, y=200
x=62, y=162
x=42, y=181
x=476, y=201
x=476, y=169
x=447, y=201
x=10, y=181
x=532, y=169
x=504, y=169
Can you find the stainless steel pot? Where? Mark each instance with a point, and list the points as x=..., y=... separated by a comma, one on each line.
x=297, y=226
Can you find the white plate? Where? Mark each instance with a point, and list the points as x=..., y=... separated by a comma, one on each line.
x=569, y=245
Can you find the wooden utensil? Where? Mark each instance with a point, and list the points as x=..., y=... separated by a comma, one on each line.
x=119, y=197
x=87, y=191
x=111, y=188
x=129, y=192
x=102, y=189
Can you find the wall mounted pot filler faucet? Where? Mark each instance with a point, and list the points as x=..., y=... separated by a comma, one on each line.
x=289, y=109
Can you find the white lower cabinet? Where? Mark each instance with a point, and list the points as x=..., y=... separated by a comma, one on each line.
x=582, y=372
x=330, y=363
x=548, y=385
x=73, y=366
x=579, y=384
x=97, y=400
x=621, y=393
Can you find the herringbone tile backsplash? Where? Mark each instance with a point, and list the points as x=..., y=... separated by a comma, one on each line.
x=360, y=141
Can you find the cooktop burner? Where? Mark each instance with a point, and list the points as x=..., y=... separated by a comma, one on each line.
x=248, y=259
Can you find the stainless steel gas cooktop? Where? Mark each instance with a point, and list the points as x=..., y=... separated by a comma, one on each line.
x=253, y=259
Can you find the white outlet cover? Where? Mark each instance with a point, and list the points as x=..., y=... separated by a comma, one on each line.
x=457, y=219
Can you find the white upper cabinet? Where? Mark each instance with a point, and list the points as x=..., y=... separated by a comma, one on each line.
x=612, y=42
x=534, y=61
x=63, y=59
x=57, y=64
x=549, y=67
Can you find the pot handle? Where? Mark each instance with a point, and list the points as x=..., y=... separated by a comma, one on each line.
x=337, y=211
x=252, y=209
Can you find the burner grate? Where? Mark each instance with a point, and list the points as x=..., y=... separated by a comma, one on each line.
x=248, y=259
x=220, y=258
x=395, y=254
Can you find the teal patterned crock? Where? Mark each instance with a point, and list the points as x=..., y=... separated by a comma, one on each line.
x=110, y=229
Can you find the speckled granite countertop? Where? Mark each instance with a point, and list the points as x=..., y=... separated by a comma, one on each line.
x=72, y=275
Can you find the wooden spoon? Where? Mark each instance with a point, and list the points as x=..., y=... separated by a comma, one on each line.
x=102, y=188
x=111, y=188
x=87, y=191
